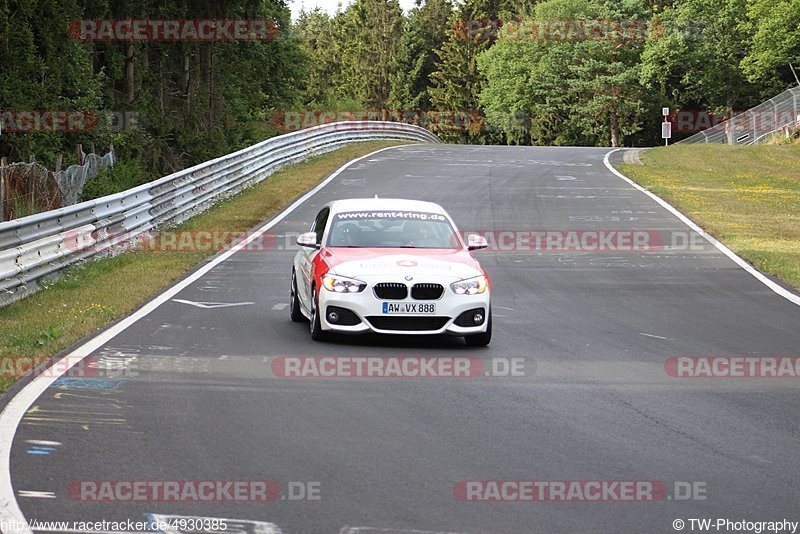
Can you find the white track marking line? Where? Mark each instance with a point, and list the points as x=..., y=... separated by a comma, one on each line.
x=212, y=305
x=43, y=442
x=15, y=410
x=37, y=494
x=651, y=335
x=788, y=295
x=258, y=527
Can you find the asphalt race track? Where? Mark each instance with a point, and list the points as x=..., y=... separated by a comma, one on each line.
x=197, y=399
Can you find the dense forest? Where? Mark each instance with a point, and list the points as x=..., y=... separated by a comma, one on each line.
x=586, y=72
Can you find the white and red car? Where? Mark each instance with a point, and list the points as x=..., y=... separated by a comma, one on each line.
x=390, y=266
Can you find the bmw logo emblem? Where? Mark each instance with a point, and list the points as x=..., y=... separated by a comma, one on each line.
x=409, y=278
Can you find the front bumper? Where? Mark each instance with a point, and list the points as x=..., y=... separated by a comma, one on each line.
x=369, y=310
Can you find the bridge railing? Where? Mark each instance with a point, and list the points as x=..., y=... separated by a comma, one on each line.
x=42, y=245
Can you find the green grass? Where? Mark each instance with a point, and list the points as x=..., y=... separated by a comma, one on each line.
x=747, y=197
x=88, y=297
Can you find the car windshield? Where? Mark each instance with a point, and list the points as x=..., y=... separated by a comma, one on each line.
x=392, y=229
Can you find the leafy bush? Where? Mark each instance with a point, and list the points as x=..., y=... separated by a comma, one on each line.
x=122, y=176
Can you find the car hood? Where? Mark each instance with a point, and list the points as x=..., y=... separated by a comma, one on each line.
x=369, y=262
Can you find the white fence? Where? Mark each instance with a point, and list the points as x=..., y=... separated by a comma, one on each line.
x=41, y=245
x=757, y=124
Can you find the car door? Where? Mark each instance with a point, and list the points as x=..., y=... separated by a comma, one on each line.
x=307, y=255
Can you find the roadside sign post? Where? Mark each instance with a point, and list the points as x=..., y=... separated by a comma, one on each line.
x=666, y=127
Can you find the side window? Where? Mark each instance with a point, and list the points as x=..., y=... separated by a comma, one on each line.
x=319, y=224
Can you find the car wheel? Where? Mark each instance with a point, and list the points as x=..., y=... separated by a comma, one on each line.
x=481, y=340
x=317, y=333
x=294, y=301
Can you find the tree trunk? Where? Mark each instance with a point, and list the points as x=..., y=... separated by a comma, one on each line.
x=614, y=129
x=161, y=89
x=207, y=76
x=730, y=131
x=187, y=78
x=130, y=78
x=795, y=74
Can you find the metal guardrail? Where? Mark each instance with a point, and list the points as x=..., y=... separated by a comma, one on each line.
x=41, y=245
x=756, y=124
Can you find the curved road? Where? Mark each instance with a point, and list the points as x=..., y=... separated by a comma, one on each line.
x=196, y=398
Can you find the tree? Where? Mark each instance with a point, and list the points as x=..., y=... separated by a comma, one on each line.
x=456, y=80
x=43, y=69
x=314, y=30
x=775, y=45
x=425, y=32
x=696, y=60
x=565, y=76
x=370, y=39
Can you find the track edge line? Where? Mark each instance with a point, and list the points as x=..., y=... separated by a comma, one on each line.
x=758, y=275
x=20, y=403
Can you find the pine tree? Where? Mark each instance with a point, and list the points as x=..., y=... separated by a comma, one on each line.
x=372, y=30
x=425, y=32
x=457, y=83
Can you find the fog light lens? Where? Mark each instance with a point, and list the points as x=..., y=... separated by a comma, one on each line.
x=333, y=317
x=478, y=318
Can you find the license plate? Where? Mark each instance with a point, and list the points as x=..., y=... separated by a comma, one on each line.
x=409, y=308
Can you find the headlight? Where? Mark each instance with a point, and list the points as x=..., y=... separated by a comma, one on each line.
x=342, y=284
x=470, y=286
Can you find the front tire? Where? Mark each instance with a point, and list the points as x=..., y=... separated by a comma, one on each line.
x=317, y=333
x=294, y=302
x=481, y=340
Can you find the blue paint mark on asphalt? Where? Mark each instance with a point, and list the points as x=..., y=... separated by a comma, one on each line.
x=41, y=450
x=87, y=383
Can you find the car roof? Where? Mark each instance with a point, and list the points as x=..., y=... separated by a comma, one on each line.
x=385, y=204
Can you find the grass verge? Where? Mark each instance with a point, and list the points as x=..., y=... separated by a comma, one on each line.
x=746, y=197
x=89, y=296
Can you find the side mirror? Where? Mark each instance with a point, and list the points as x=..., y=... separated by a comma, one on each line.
x=308, y=239
x=476, y=242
